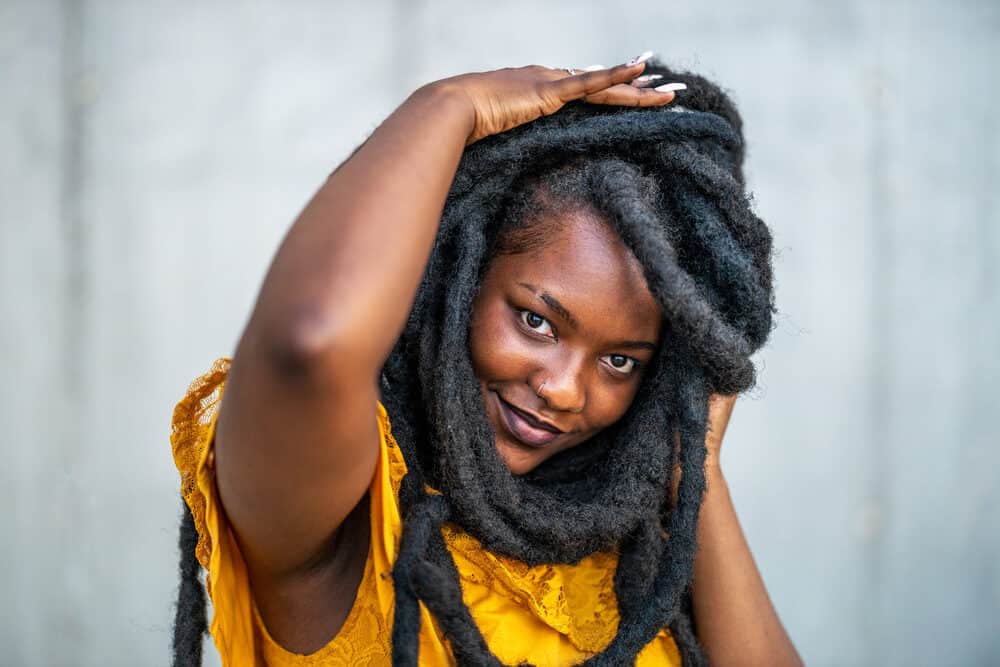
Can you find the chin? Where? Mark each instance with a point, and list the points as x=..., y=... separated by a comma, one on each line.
x=518, y=459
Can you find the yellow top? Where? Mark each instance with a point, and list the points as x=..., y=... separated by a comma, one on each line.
x=546, y=615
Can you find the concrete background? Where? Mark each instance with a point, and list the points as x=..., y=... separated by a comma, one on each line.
x=152, y=154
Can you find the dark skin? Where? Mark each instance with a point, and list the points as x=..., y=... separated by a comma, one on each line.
x=573, y=317
x=297, y=438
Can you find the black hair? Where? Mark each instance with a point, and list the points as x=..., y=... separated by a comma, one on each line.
x=669, y=181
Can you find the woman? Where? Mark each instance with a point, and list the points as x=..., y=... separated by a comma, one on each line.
x=543, y=289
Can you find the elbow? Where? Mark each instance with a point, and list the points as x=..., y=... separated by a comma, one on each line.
x=320, y=351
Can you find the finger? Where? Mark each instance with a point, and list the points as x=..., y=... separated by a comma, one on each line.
x=631, y=96
x=646, y=80
x=579, y=85
x=720, y=409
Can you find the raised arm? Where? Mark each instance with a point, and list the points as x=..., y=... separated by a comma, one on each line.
x=296, y=441
x=297, y=434
x=737, y=623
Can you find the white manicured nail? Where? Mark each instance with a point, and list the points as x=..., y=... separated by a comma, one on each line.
x=649, y=77
x=669, y=87
x=646, y=55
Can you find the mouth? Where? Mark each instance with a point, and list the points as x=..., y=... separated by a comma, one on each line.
x=525, y=427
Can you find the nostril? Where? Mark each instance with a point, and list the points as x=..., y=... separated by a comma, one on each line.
x=562, y=397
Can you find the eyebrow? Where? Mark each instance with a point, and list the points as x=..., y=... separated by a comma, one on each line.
x=552, y=303
x=561, y=310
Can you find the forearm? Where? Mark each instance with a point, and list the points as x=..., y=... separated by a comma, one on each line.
x=737, y=624
x=347, y=271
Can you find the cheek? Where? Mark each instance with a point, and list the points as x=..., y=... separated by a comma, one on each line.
x=610, y=402
x=496, y=347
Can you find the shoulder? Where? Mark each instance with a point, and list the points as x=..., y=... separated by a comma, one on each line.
x=192, y=431
x=202, y=396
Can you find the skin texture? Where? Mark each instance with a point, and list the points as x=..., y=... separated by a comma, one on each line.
x=562, y=317
x=737, y=622
x=296, y=440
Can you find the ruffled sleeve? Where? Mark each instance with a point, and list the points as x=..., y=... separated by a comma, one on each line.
x=192, y=438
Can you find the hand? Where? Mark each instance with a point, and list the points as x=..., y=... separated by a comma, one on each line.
x=505, y=98
x=720, y=409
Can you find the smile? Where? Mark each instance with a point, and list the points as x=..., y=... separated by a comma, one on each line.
x=526, y=428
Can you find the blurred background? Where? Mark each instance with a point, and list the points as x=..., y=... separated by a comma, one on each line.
x=153, y=153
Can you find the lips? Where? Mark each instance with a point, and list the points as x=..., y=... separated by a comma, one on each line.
x=526, y=428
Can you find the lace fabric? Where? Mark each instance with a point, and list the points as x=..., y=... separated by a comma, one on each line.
x=547, y=614
x=191, y=433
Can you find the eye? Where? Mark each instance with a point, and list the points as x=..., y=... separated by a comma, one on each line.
x=621, y=364
x=537, y=323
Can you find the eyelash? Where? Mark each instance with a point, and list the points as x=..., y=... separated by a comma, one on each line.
x=524, y=314
x=635, y=364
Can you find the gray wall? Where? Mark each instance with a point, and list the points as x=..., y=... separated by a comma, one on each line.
x=152, y=155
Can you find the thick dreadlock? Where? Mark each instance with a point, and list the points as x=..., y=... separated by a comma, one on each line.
x=669, y=181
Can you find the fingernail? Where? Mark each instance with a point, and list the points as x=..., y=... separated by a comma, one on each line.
x=669, y=87
x=649, y=77
x=646, y=55
x=594, y=68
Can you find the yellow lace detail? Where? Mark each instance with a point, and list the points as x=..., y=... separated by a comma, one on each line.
x=365, y=640
x=575, y=600
x=548, y=614
x=190, y=432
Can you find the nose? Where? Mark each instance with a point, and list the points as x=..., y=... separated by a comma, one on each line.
x=563, y=387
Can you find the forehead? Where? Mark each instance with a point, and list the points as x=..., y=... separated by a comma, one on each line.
x=586, y=266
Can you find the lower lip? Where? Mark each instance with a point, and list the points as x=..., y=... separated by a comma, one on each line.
x=522, y=431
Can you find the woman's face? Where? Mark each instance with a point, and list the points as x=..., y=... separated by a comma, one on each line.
x=561, y=336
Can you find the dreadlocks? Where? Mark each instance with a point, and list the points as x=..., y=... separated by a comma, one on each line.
x=669, y=182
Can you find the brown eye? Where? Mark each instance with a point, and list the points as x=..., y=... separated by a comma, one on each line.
x=536, y=323
x=621, y=363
